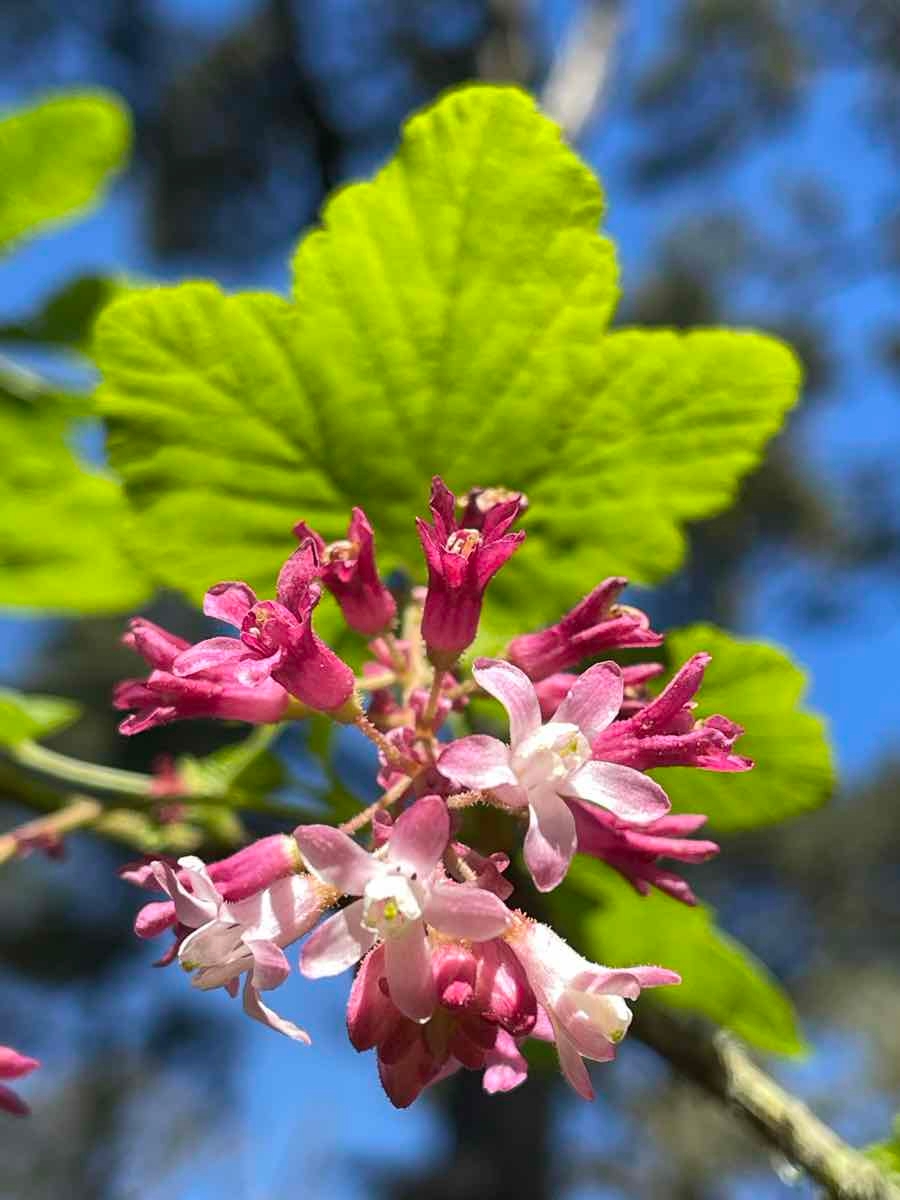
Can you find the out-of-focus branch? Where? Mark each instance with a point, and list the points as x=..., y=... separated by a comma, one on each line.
x=581, y=71
x=716, y=1062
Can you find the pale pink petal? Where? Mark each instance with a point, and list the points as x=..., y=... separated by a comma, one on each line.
x=214, y=652
x=253, y=671
x=461, y=910
x=337, y=944
x=229, y=602
x=649, y=977
x=407, y=962
x=607, y=981
x=572, y=1065
x=506, y=1065
x=594, y=699
x=629, y=794
x=335, y=858
x=516, y=693
x=191, y=910
x=477, y=761
x=270, y=965
x=550, y=841
x=210, y=945
x=255, y=1008
x=419, y=836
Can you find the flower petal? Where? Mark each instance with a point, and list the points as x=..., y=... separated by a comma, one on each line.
x=270, y=965
x=506, y=1065
x=419, y=836
x=207, y=655
x=407, y=961
x=629, y=794
x=514, y=690
x=572, y=1064
x=335, y=859
x=337, y=944
x=255, y=1008
x=462, y=910
x=594, y=699
x=191, y=910
x=229, y=602
x=14, y=1065
x=550, y=841
x=477, y=761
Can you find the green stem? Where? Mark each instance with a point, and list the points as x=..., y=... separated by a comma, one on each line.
x=73, y=770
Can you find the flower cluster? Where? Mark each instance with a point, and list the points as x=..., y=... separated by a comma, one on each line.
x=449, y=974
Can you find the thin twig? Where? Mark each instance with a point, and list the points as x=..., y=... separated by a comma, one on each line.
x=716, y=1062
x=362, y=818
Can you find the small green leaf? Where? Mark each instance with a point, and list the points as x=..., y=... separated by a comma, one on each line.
x=887, y=1154
x=67, y=316
x=758, y=686
x=56, y=157
x=63, y=529
x=720, y=978
x=25, y=717
x=450, y=317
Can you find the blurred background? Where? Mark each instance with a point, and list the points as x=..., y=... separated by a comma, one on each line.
x=749, y=150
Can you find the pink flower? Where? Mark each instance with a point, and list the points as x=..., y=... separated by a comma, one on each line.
x=348, y=571
x=635, y=853
x=597, y=623
x=479, y=502
x=546, y=765
x=584, y=1002
x=214, y=692
x=461, y=562
x=276, y=640
x=483, y=1003
x=14, y=1065
x=402, y=892
x=553, y=690
x=219, y=940
x=664, y=732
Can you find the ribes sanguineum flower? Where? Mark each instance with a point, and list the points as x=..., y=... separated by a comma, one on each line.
x=217, y=690
x=276, y=640
x=665, y=733
x=483, y=1003
x=595, y=624
x=635, y=853
x=219, y=941
x=14, y=1065
x=461, y=562
x=348, y=570
x=402, y=891
x=547, y=764
x=584, y=1002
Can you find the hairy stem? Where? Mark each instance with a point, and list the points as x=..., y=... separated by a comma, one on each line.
x=362, y=818
x=716, y=1062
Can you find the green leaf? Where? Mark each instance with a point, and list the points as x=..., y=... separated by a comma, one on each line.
x=26, y=717
x=450, y=317
x=720, y=978
x=56, y=157
x=758, y=686
x=63, y=529
x=67, y=316
x=887, y=1154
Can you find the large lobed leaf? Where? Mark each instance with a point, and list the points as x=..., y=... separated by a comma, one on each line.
x=720, y=978
x=758, y=686
x=450, y=316
x=56, y=157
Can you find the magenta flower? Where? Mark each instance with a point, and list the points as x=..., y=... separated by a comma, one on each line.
x=545, y=766
x=596, y=624
x=14, y=1065
x=215, y=691
x=483, y=1003
x=402, y=891
x=584, y=1002
x=635, y=853
x=664, y=732
x=219, y=941
x=276, y=640
x=348, y=570
x=479, y=502
x=461, y=562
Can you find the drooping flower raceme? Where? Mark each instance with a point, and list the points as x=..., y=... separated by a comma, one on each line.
x=401, y=894
x=450, y=977
x=546, y=765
